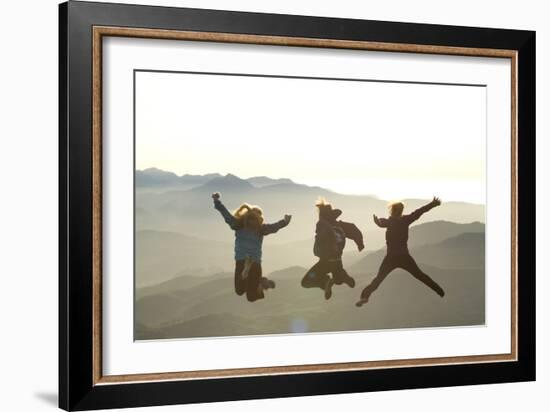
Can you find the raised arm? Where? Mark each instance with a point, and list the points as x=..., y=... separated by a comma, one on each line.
x=227, y=216
x=380, y=221
x=270, y=228
x=421, y=210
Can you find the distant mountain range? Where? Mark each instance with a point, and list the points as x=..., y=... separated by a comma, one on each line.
x=161, y=256
x=184, y=261
x=188, y=209
x=154, y=177
x=194, y=306
x=464, y=251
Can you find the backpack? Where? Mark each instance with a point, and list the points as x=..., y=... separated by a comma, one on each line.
x=330, y=240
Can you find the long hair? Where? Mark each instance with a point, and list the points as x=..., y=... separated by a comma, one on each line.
x=396, y=209
x=249, y=216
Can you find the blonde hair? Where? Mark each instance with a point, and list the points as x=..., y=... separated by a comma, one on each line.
x=246, y=212
x=396, y=208
x=323, y=206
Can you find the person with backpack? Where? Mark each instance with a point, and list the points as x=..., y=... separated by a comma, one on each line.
x=330, y=240
x=397, y=255
x=248, y=223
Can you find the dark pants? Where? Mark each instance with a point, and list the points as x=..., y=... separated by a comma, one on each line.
x=251, y=284
x=317, y=276
x=406, y=262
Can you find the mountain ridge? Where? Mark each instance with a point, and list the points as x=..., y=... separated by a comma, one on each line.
x=154, y=176
x=211, y=307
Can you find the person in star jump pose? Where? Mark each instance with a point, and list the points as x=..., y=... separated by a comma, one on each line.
x=248, y=223
x=330, y=240
x=397, y=255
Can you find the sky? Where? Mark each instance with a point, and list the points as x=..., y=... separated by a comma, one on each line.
x=394, y=141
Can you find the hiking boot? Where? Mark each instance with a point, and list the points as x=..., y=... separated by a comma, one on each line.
x=328, y=289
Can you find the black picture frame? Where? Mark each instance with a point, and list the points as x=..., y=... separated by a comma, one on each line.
x=77, y=390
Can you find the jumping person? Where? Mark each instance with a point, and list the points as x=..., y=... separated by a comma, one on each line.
x=330, y=240
x=248, y=223
x=397, y=255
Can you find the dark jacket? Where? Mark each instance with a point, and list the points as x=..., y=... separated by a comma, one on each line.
x=397, y=233
x=330, y=238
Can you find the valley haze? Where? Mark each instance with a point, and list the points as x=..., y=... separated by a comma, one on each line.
x=184, y=261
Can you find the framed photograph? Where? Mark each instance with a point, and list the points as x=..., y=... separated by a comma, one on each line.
x=257, y=205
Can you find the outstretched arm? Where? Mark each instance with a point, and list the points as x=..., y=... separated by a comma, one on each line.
x=380, y=221
x=270, y=228
x=227, y=216
x=420, y=211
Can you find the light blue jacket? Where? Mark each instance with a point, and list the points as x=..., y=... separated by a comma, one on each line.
x=247, y=242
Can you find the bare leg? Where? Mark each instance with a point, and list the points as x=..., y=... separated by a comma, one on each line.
x=409, y=264
x=386, y=267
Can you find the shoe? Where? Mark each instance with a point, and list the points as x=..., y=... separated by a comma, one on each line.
x=268, y=283
x=328, y=289
x=350, y=281
x=361, y=302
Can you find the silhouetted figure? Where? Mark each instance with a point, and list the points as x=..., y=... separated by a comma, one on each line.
x=397, y=256
x=248, y=223
x=330, y=240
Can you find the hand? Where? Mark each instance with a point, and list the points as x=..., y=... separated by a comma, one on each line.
x=287, y=219
x=376, y=220
x=216, y=196
x=436, y=201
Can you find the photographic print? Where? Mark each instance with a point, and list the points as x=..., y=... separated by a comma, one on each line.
x=347, y=193
x=276, y=204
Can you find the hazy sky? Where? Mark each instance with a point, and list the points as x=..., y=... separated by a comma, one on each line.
x=391, y=140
